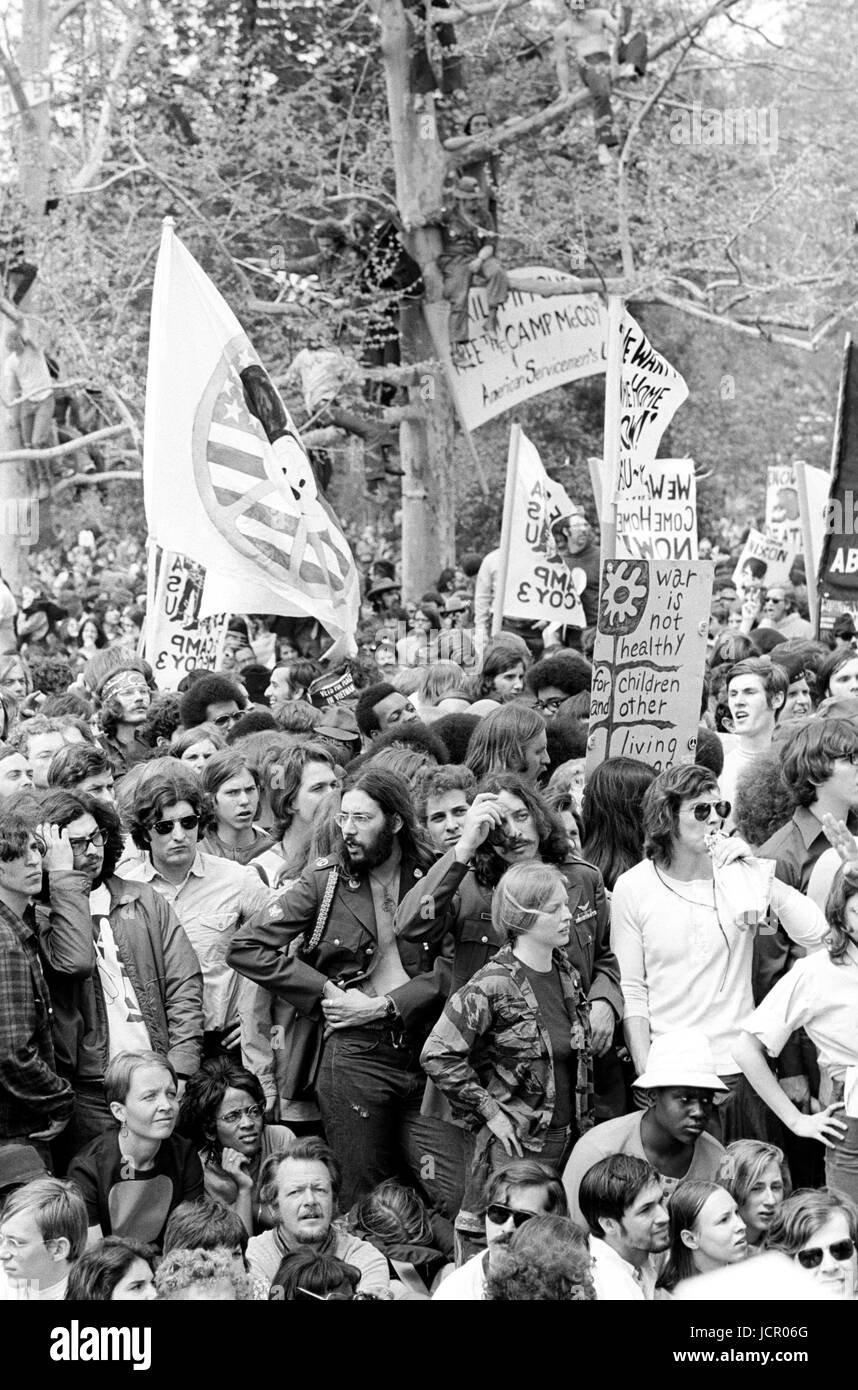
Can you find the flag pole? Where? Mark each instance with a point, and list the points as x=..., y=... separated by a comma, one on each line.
x=811, y=561
x=506, y=527
x=611, y=457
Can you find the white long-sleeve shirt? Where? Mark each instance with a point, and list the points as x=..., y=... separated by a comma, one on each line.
x=685, y=949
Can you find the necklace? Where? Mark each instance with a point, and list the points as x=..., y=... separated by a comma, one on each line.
x=694, y=903
x=388, y=900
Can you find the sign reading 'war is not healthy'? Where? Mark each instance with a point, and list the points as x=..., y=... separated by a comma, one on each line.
x=648, y=662
x=541, y=342
x=177, y=639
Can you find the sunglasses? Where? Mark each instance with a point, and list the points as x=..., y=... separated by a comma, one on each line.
x=223, y=721
x=812, y=1259
x=703, y=810
x=165, y=827
x=499, y=1215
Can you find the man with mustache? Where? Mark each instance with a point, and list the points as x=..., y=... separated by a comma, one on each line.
x=123, y=696
x=302, y=1188
x=514, y=1193
x=327, y=946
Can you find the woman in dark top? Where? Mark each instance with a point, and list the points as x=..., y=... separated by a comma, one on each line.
x=512, y=1049
x=133, y=1177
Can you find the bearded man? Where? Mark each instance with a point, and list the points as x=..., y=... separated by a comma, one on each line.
x=327, y=946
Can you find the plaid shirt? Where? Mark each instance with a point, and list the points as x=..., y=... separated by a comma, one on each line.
x=490, y=1050
x=31, y=1092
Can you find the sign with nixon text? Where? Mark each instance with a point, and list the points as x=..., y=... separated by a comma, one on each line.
x=664, y=527
x=539, y=584
x=651, y=392
x=541, y=342
x=783, y=516
x=177, y=638
x=648, y=662
x=763, y=562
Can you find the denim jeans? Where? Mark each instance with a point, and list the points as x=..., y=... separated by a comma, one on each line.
x=92, y=1117
x=841, y=1163
x=370, y=1088
x=484, y=1154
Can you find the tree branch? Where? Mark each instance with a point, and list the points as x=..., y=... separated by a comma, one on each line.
x=133, y=475
x=203, y=221
x=466, y=149
x=623, y=228
x=63, y=13
x=466, y=11
x=748, y=330
x=108, y=100
x=56, y=451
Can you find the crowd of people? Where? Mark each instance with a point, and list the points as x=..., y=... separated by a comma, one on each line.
x=353, y=982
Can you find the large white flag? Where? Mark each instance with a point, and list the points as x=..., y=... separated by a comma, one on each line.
x=650, y=393
x=225, y=476
x=539, y=583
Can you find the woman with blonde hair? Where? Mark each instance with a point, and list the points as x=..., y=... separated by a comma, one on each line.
x=757, y=1176
x=512, y=1049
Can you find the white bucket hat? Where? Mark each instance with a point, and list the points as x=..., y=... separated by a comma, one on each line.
x=681, y=1058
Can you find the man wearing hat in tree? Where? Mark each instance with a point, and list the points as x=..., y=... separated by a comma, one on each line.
x=468, y=239
x=671, y=1135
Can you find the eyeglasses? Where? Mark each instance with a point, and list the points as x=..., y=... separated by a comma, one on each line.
x=166, y=827
x=358, y=817
x=499, y=1215
x=224, y=720
x=702, y=810
x=96, y=839
x=812, y=1259
x=552, y=705
x=252, y=1112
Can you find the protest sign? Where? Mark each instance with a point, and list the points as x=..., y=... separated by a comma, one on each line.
x=763, y=562
x=664, y=526
x=647, y=392
x=783, y=517
x=177, y=639
x=837, y=583
x=812, y=485
x=648, y=662
x=534, y=581
x=540, y=343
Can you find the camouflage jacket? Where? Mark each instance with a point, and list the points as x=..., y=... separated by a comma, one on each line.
x=490, y=1050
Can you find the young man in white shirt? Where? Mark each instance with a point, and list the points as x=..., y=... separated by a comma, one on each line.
x=515, y=1193
x=42, y=1230
x=622, y=1201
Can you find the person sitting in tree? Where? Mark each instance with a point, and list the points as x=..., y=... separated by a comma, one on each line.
x=468, y=238
x=591, y=31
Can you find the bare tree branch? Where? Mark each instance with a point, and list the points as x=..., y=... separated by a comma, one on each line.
x=108, y=101
x=131, y=475
x=473, y=11
x=56, y=451
x=466, y=148
x=623, y=228
x=62, y=14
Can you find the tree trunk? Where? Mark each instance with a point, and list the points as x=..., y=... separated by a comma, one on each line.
x=419, y=161
x=17, y=497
